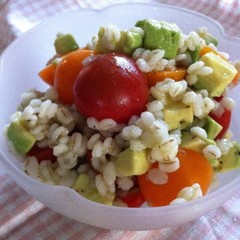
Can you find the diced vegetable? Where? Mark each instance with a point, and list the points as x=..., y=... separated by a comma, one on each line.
x=133, y=198
x=160, y=34
x=47, y=74
x=194, y=168
x=129, y=162
x=222, y=75
x=42, y=154
x=236, y=79
x=67, y=72
x=224, y=120
x=20, y=137
x=176, y=74
x=111, y=86
x=65, y=43
x=209, y=38
x=205, y=50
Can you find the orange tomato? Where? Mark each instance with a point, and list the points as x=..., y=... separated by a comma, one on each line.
x=207, y=49
x=194, y=168
x=158, y=76
x=66, y=73
x=47, y=74
x=236, y=79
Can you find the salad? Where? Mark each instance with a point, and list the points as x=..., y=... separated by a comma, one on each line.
x=136, y=116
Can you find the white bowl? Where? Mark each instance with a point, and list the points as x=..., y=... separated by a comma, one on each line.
x=19, y=66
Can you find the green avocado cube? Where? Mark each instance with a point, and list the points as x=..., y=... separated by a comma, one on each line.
x=132, y=41
x=212, y=127
x=209, y=38
x=82, y=186
x=193, y=142
x=216, y=82
x=161, y=35
x=231, y=160
x=129, y=162
x=82, y=182
x=65, y=43
x=107, y=44
x=95, y=196
x=195, y=55
x=128, y=42
x=178, y=115
x=21, y=139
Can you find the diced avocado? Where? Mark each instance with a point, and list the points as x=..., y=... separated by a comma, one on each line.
x=129, y=162
x=209, y=38
x=195, y=55
x=231, y=160
x=212, y=127
x=65, y=43
x=107, y=43
x=223, y=74
x=128, y=42
x=95, y=196
x=177, y=115
x=132, y=41
x=83, y=188
x=82, y=182
x=193, y=142
x=162, y=35
x=21, y=139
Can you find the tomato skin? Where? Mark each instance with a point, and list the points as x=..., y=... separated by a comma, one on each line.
x=224, y=120
x=194, y=168
x=111, y=86
x=133, y=198
x=42, y=154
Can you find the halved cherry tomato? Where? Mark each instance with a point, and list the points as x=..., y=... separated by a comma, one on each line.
x=224, y=120
x=66, y=73
x=194, y=168
x=158, y=76
x=133, y=198
x=111, y=86
x=42, y=154
x=47, y=74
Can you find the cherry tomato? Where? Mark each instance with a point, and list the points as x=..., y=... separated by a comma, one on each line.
x=224, y=120
x=66, y=73
x=133, y=198
x=194, y=168
x=42, y=154
x=111, y=86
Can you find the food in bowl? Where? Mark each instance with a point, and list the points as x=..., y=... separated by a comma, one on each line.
x=138, y=115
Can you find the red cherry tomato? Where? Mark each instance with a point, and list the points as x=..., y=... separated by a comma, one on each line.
x=133, y=198
x=42, y=154
x=111, y=86
x=224, y=120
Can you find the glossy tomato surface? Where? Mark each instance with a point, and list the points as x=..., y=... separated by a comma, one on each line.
x=111, y=86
